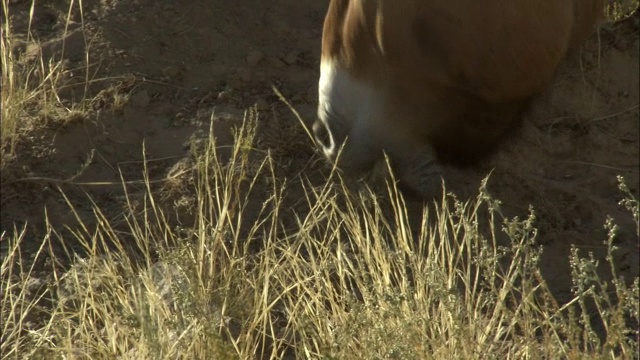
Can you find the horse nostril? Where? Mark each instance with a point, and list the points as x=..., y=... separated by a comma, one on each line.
x=322, y=135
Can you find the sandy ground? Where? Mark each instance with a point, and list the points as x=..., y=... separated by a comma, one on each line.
x=183, y=60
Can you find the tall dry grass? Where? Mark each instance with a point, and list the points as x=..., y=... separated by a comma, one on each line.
x=35, y=87
x=351, y=282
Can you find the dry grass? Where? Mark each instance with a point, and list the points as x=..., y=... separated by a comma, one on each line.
x=620, y=9
x=29, y=86
x=351, y=282
x=38, y=90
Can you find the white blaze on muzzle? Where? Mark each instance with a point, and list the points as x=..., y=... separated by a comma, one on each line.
x=347, y=108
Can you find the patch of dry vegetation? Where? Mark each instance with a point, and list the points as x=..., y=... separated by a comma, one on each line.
x=620, y=9
x=351, y=282
x=31, y=86
x=39, y=88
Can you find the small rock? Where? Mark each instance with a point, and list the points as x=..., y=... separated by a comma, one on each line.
x=254, y=58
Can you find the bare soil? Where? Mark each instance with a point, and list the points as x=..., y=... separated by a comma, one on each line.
x=187, y=65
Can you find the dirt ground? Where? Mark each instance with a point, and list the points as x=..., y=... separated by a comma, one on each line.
x=183, y=60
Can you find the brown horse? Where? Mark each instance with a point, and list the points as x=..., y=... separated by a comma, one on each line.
x=436, y=81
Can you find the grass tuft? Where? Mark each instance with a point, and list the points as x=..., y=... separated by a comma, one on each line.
x=353, y=281
x=39, y=85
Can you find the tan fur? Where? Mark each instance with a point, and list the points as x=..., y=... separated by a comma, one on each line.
x=456, y=73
